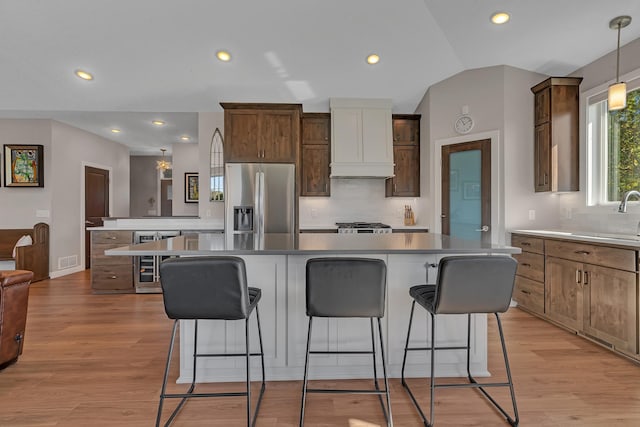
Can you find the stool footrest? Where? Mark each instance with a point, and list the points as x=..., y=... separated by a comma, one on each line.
x=228, y=394
x=344, y=391
x=342, y=352
x=471, y=385
x=227, y=354
x=437, y=348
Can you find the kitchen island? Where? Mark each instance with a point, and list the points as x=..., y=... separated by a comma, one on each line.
x=276, y=264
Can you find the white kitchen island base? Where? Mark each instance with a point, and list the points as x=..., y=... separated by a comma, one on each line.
x=284, y=329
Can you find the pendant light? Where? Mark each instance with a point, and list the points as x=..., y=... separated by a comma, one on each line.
x=163, y=165
x=617, y=99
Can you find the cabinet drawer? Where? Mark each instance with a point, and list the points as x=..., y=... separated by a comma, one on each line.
x=107, y=277
x=527, y=243
x=530, y=265
x=120, y=238
x=623, y=259
x=529, y=294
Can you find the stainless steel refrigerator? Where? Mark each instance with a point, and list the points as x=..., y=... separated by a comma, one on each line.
x=260, y=198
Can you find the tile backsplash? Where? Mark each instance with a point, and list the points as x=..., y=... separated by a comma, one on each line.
x=359, y=199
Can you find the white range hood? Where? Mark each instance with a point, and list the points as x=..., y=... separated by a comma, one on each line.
x=361, y=138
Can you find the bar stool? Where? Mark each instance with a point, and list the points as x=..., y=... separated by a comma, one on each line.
x=209, y=288
x=465, y=285
x=347, y=287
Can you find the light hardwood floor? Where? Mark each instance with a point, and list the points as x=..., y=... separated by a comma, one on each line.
x=97, y=360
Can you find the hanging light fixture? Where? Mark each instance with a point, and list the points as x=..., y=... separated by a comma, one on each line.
x=617, y=99
x=163, y=165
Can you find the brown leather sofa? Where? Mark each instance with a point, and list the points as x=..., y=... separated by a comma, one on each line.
x=14, y=296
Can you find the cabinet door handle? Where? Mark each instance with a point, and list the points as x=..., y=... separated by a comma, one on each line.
x=586, y=277
x=395, y=188
x=545, y=178
x=525, y=292
x=525, y=244
x=524, y=264
x=112, y=237
x=578, y=276
x=114, y=277
x=582, y=252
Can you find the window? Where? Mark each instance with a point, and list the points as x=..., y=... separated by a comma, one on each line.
x=614, y=142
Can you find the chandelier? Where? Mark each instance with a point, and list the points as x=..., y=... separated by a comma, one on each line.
x=163, y=165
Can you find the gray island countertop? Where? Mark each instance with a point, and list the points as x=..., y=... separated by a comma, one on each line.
x=316, y=244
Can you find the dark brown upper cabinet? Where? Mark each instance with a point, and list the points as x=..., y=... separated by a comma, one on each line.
x=316, y=145
x=556, y=129
x=261, y=133
x=406, y=156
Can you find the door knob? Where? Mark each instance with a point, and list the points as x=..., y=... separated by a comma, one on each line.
x=484, y=228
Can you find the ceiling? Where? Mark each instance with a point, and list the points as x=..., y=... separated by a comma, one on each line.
x=158, y=56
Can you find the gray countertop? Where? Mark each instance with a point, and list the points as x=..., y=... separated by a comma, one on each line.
x=617, y=239
x=303, y=244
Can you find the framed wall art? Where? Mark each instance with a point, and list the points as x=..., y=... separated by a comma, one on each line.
x=23, y=165
x=191, y=189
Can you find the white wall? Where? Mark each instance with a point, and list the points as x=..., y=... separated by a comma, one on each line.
x=519, y=195
x=185, y=159
x=66, y=151
x=501, y=103
x=18, y=206
x=73, y=149
x=575, y=214
x=207, y=124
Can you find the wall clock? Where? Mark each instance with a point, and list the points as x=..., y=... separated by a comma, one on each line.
x=464, y=124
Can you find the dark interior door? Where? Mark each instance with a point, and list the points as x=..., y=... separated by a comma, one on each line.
x=466, y=190
x=96, y=204
x=166, y=197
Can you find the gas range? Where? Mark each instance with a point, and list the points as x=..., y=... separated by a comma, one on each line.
x=363, y=227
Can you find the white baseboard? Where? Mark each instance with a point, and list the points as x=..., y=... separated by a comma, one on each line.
x=66, y=271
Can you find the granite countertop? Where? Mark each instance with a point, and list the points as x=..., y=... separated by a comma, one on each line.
x=617, y=239
x=303, y=244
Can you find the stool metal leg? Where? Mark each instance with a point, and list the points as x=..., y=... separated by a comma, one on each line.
x=262, y=386
x=432, y=385
x=404, y=362
x=248, y=366
x=166, y=372
x=306, y=371
x=429, y=422
x=509, y=383
x=251, y=421
x=387, y=413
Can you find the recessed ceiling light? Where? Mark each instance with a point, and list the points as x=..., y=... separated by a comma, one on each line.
x=158, y=122
x=223, y=55
x=500, y=18
x=83, y=75
x=185, y=138
x=114, y=130
x=373, y=59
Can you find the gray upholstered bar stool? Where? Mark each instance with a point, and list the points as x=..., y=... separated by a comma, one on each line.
x=347, y=287
x=209, y=288
x=465, y=285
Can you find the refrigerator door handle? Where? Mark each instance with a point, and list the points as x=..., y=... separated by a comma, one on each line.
x=259, y=200
x=261, y=212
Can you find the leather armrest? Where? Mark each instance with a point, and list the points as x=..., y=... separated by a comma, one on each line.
x=15, y=277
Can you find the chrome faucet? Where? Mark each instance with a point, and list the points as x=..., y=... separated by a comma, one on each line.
x=623, y=204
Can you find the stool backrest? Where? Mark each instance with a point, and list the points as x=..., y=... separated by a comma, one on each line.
x=474, y=284
x=346, y=287
x=205, y=288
